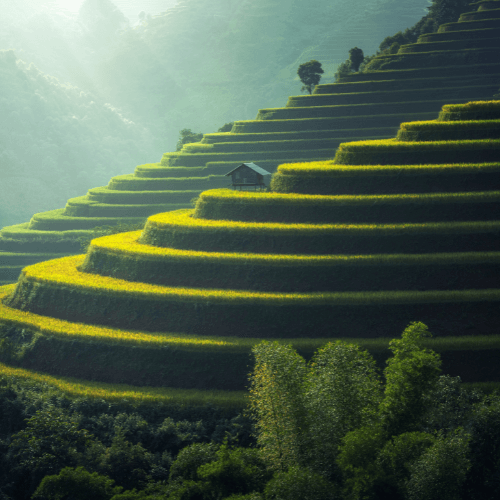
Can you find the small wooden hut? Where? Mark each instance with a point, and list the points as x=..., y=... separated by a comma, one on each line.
x=248, y=175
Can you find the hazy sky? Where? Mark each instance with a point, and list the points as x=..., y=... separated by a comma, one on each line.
x=128, y=7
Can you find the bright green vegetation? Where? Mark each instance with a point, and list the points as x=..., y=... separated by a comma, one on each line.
x=337, y=420
x=447, y=67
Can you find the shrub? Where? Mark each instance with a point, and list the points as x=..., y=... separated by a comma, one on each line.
x=190, y=458
x=226, y=127
x=343, y=69
x=77, y=484
x=299, y=484
x=237, y=470
x=187, y=136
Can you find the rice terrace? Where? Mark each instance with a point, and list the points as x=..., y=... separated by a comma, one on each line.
x=381, y=216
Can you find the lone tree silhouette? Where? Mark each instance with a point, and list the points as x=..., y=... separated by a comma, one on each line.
x=356, y=57
x=310, y=74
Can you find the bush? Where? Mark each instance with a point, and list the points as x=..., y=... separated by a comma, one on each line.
x=190, y=458
x=299, y=484
x=343, y=69
x=226, y=127
x=187, y=136
x=235, y=471
x=76, y=484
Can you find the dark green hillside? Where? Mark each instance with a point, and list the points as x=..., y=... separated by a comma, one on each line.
x=180, y=303
x=368, y=105
x=56, y=141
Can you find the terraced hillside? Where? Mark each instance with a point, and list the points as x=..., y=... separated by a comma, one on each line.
x=455, y=65
x=389, y=232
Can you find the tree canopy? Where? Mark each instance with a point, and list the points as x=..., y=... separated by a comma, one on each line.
x=310, y=74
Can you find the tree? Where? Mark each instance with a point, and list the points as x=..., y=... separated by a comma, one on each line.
x=310, y=74
x=411, y=373
x=52, y=439
x=276, y=400
x=187, y=136
x=342, y=393
x=356, y=57
x=76, y=484
x=128, y=464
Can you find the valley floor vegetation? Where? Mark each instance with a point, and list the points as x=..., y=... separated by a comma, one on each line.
x=333, y=427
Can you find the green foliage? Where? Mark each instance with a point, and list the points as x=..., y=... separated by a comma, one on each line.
x=411, y=373
x=398, y=39
x=395, y=459
x=187, y=136
x=276, y=400
x=51, y=439
x=440, y=12
x=250, y=496
x=76, y=484
x=310, y=74
x=234, y=471
x=226, y=127
x=128, y=464
x=190, y=458
x=441, y=470
x=483, y=425
x=343, y=69
x=356, y=57
x=299, y=483
x=342, y=393
x=357, y=460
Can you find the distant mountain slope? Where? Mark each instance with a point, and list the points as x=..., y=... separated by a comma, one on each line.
x=207, y=62
x=201, y=63
x=56, y=141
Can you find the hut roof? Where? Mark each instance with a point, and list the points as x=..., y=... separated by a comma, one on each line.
x=253, y=166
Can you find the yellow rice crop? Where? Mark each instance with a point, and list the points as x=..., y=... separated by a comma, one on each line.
x=394, y=144
x=227, y=195
x=434, y=124
x=473, y=106
x=127, y=244
x=66, y=329
x=69, y=331
x=136, y=395
x=64, y=272
x=329, y=168
x=182, y=220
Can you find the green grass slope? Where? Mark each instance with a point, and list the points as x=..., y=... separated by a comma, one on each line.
x=179, y=304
